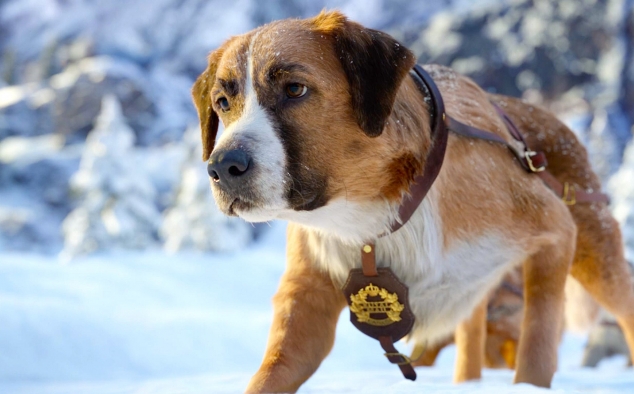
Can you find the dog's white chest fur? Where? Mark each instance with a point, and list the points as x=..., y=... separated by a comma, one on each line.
x=445, y=284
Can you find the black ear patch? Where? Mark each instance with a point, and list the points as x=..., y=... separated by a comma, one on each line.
x=375, y=65
x=208, y=117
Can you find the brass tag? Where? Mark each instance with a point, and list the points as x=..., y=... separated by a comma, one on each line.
x=378, y=304
x=365, y=309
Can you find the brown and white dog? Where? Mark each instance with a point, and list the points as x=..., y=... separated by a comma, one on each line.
x=325, y=128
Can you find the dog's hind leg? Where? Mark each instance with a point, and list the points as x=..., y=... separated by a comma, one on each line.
x=470, y=340
x=424, y=355
x=602, y=269
x=544, y=281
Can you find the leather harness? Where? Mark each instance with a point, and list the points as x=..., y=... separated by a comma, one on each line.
x=378, y=300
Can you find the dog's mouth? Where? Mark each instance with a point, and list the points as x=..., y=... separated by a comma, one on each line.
x=251, y=205
x=241, y=205
x=237, y=206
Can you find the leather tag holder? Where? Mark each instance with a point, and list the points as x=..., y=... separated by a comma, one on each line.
x=379, y=305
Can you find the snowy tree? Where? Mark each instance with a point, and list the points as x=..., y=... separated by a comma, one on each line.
x=117, y=200
x=194, y=221
x=622, y=189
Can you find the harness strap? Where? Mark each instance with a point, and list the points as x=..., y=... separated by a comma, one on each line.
x=568, y=193
x=393, y=356
x=531, y=161
x=368, y=260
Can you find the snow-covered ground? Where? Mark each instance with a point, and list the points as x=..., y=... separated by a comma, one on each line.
x=151, y=322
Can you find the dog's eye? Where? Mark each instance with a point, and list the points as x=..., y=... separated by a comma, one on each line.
x=295, y=90
x=223, y=103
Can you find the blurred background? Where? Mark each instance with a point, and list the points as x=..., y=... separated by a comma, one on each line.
x=99, y=154
x=98, y=132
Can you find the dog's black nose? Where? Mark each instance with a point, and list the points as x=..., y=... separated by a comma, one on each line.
x=229, y=165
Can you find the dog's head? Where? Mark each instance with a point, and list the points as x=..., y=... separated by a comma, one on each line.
x=304, y=104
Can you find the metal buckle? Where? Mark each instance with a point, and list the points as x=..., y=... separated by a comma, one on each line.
x=406, y=360
x=528, y=154
x=570, y=195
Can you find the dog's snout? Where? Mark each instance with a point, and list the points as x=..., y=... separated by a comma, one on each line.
x=229, y=166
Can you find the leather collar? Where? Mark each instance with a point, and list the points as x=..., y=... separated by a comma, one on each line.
x=439, y=134
x=531, y=161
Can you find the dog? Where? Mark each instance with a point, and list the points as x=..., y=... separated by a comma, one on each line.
x=325, y=127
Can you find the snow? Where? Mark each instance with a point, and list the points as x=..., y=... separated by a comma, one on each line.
x=622, y=191
x=152, y=322
x=117, y=198
x=63, y=57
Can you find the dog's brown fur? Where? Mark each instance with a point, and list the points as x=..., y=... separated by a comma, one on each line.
x=283, y=370
x=480, y=189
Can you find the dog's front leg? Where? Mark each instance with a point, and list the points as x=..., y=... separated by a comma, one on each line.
x=306, y=309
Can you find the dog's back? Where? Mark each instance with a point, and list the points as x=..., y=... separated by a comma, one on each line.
x=598, y=236
x=599, y=261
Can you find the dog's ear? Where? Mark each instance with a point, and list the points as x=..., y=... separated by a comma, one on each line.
x=201, y=94
x=374, y=63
